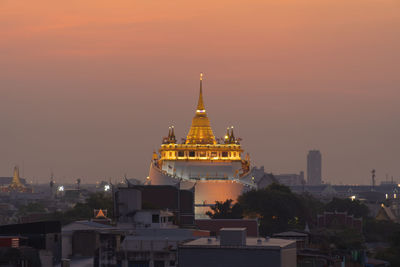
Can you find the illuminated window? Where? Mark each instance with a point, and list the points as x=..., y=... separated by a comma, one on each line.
x=181, y=153
x=214, y=154
x=192, y=153
x=202, y=154
x=224, y=154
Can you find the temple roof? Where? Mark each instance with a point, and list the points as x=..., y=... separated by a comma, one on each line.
x=200, y=132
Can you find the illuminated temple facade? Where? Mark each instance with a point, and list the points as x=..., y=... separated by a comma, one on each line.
x=214, y=168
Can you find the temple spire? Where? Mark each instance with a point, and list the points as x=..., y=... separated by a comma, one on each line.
x=200, y=132
x=200, y=104
x=172, y=138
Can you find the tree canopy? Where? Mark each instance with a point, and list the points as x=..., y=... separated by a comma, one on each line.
x=225, y=210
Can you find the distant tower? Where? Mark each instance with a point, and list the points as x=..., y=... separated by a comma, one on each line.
x=373, y=179
x=314, y=169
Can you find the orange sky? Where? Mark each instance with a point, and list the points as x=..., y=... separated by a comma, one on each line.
x=88, y=88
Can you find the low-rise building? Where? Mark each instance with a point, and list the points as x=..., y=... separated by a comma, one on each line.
x=214, y=225
x=234, y=248
x=339, y=219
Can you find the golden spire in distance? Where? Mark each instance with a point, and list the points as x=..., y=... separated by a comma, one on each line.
x=16, y=182
x=200, y=132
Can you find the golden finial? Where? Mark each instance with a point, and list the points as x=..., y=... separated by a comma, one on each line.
x=200, y=104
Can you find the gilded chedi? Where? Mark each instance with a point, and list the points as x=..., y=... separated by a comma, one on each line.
x=214, y=167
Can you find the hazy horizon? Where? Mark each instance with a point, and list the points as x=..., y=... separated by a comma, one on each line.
x=89, y=88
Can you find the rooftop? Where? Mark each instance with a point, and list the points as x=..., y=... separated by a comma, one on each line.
x=251, y=242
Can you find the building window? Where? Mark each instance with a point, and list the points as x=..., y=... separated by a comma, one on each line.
x=155, y=218
x=202, y=153
x=181, y=153
x=214, y=154
x=192, y=153
x=224, y=154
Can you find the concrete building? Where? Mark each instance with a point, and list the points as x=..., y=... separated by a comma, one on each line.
x=314, y=167
x=44, y=237
x=291, y=179
x=338, y=220
x=234, y=248
x=154, y=247
x=129, y=200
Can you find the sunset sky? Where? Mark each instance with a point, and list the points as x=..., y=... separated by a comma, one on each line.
x=88, y=88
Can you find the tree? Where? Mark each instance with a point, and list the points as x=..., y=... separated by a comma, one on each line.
x=225, y=210
x=276, y=207
x=352, y=207
x=33, y=207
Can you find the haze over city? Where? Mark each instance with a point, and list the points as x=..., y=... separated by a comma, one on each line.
x=89, y=88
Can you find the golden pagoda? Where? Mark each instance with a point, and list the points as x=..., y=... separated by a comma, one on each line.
x=16, y=184
x=201, y=144
x=213, y=166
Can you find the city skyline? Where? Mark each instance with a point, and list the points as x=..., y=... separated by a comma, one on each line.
x=89, y=89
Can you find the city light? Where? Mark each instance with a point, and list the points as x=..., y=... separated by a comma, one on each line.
x=107, y=187
x=353, y=198
x=61, y=188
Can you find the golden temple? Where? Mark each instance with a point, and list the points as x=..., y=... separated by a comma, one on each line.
x=213, y=167
x=200, y=143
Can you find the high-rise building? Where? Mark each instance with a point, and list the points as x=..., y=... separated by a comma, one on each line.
x=314, y=170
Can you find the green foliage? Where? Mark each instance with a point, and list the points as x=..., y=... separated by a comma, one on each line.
x=380, y=231
x=392, y=254
x=84, y=211
x=225, y=210
x=33, y=207
x=310, y=207
x=276, y=207
x=352, y=207
x=343, y=239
